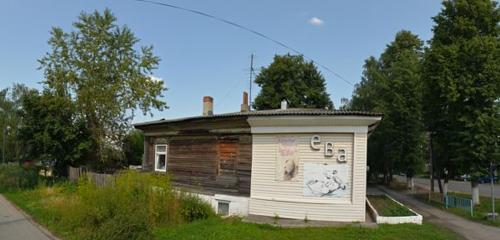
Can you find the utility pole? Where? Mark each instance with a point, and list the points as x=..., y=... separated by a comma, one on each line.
x=251, y=77
x=431, y=166
x=492, y=172
x=3, y=146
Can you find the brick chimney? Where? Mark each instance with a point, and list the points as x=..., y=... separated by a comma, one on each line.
x=208, y=106
x=244, y=105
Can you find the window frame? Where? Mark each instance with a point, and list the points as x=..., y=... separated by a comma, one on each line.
x=157, y=154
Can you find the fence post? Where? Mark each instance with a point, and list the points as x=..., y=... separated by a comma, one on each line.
x=471, y=208
x=446, y=201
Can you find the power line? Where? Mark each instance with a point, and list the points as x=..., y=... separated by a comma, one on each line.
x=248, y=30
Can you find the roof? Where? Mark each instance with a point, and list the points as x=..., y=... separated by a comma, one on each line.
x=264, y=113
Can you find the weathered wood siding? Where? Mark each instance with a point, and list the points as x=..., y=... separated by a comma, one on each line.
x=270, y=197
x=209, y=157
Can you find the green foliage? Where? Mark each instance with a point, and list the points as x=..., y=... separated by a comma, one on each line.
x=228, y=229
x=10, y=121
x=99, y=68
x=392, y=85
x=462, y=86
x=292, y=78
x=130, y=207
x=193, y=208
x=15, y=177
x=133, y=148
x=51, y=132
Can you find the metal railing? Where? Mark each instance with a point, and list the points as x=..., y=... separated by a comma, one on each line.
x=458, y=202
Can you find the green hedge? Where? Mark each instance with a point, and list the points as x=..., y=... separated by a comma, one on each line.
x=15, y=177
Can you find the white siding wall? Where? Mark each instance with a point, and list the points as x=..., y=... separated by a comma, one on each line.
x=270, y=197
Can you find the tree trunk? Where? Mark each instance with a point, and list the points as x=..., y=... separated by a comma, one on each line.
x=410, y=182
x=440, y=184
x=475, y=192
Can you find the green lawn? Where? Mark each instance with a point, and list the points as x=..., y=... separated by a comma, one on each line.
x=235, y=229
x=34, y=203
x=387, y=207
x=480, y=211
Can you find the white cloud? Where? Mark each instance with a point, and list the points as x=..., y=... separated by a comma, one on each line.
x=316, y=21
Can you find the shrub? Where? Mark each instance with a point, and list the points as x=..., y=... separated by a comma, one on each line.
x=15, y=177
x=194, y=208
x=130, y=207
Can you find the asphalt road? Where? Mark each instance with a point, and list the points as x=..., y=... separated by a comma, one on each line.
x=16, y=226
x=455, y=186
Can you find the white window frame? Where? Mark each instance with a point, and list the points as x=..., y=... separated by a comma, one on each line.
x=157, y=154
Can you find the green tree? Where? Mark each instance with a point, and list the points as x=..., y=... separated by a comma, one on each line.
x=52, y=133
x=10, y=121
x=462, y=83
x=392, y=85
x=290, y=77
x=133, y=147
x=99, y=67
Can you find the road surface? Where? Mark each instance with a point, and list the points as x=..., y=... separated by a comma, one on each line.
x=16, y=226
x=468, y=229
x=454, y=186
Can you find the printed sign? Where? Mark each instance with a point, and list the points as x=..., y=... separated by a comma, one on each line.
x=326, y=180
x=287, y=161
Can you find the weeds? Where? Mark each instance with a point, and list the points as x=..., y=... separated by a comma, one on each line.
x=130, y=207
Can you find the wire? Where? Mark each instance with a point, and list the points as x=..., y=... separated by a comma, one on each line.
x=248, y=30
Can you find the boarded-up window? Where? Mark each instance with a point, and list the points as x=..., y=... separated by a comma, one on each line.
x=228, y=155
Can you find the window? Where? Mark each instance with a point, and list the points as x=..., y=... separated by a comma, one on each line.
x=223, y=208
x=161, y=158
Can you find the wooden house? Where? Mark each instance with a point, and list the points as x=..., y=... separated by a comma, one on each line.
x=294, y=163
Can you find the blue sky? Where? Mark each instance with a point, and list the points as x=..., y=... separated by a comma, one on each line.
x=202, y=57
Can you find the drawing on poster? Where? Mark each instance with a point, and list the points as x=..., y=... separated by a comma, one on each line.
x=287, y=161
x=325, y=180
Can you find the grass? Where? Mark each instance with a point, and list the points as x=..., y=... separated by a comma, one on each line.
x=387, y=207
x=35, y=202
x=233, y=228
x=480, y=211
x=130, y=208
x=436, y=199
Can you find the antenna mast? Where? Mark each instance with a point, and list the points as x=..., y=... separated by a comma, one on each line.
x=251, y=77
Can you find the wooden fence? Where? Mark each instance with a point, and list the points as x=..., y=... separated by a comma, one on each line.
x=100, y=179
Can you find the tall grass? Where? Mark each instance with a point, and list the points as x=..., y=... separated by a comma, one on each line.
x=128, y=208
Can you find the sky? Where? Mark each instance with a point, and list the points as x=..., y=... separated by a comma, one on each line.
x=203, y=57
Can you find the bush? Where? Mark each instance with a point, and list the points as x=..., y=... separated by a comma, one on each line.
x=15, y=177
x=194, y=208
x=128, y=208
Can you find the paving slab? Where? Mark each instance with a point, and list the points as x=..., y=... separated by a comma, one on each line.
x=15, y=225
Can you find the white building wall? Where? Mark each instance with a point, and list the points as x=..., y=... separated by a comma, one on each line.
x=270, y=197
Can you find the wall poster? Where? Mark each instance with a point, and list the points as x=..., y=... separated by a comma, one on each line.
x=326, y=180
x=287, y=160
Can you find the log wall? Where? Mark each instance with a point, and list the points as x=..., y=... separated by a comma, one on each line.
x=213, y=157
